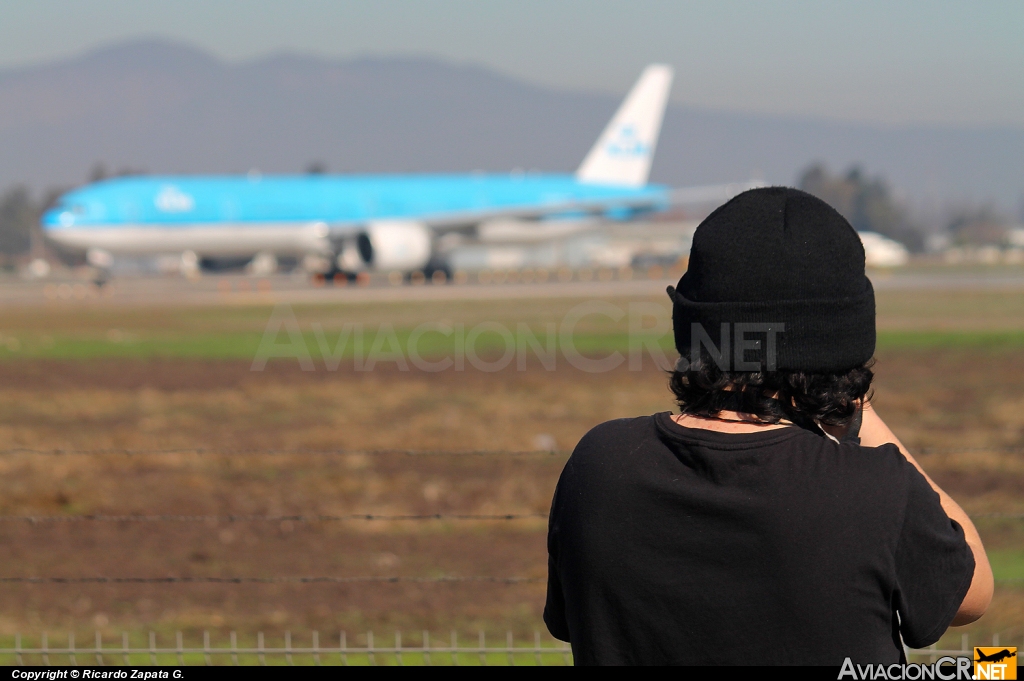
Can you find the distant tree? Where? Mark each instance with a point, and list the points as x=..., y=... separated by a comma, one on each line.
x=867, y=202
x=978, y=226
x=98, y=172
x=19, y=217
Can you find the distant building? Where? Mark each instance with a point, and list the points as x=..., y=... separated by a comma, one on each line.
x=880, y=251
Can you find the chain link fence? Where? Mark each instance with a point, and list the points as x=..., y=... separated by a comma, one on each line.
x=541, y=650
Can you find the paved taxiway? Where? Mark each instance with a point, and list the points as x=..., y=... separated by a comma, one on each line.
x=244, y=290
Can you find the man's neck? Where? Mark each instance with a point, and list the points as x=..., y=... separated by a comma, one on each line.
x=726, y=422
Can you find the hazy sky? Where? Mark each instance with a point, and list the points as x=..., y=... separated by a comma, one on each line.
x=882, y=62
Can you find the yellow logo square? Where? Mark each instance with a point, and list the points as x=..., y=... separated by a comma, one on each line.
x=995, y=662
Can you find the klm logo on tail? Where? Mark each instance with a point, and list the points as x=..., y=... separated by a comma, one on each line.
x=628, y=143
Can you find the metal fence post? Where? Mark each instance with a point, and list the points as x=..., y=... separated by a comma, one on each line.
x=426, y=647
x=398, y=648
x=482, y=646
x=259, y=648
x=99, y=647
x=508, y=647
x=288, y=648
x=17, y=647
x=536, y=647
x=344, y=650
x=316, y=648
x=124, y=647
x=71, y=648
x=181, y=647
x=369, y=648
x=152, y=648
x=206, y=648
x=46, y=656
x=234, y=648
x=455, y=648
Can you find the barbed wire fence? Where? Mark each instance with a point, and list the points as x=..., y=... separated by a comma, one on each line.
x=450, y=579
x=174, y=518
x=271, y=451
x=283, y=452
x=510, y=652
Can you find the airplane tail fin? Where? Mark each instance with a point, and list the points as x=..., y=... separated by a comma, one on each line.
x=624, y=151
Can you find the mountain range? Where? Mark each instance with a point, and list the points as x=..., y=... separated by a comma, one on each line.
x=167, y=108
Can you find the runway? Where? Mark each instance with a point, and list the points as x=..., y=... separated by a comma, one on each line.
x=235, y=289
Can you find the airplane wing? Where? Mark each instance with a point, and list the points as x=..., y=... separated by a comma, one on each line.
x=462, y=221
x=465, y=221
x=686, y=196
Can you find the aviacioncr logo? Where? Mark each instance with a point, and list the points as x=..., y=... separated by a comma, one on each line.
x=173, y=200
x=627, y=143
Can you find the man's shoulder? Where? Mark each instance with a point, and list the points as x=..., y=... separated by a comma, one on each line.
x=615, y=433
x=883, y=457
x=880, y=470
x=615, y=445
x=609, y=453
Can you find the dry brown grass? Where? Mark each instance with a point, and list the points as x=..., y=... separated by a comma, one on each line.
x=216, y=405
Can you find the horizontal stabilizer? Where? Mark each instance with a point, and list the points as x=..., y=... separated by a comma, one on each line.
x=715, y=193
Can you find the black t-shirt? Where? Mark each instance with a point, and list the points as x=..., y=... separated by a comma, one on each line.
x=673, y=545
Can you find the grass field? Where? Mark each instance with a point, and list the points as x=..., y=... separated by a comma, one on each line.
x=906, y=319
x=105, y=378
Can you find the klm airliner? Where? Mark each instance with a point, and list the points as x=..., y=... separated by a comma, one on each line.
x=368, y=222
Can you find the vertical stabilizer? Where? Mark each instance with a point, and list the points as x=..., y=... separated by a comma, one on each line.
x=624, y=151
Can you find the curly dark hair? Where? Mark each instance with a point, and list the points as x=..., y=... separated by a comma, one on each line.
x=771, y=396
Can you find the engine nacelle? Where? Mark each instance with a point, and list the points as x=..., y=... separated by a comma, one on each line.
x=395, y=245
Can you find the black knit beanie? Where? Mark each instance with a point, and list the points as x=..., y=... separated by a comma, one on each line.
x=776, y=281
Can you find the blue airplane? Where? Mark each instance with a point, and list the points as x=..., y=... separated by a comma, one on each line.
x=368, y=222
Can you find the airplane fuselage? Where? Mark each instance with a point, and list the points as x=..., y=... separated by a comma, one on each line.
x=241, y=215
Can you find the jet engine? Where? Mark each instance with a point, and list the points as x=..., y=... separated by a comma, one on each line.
x=395, y=245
